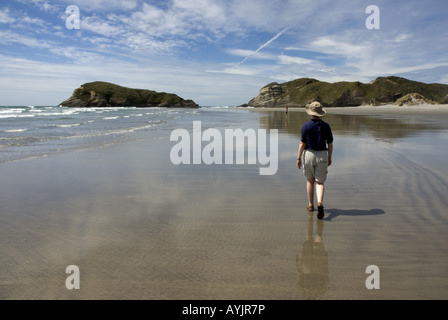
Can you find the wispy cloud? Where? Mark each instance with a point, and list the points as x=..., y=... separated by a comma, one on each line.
x=208, y=48
x=49, y=83
x=101, y=5
x=7, y=38
x=400, y=38
x=284, y=59
x=5, y=16
x=251, y=53
x=264, y=45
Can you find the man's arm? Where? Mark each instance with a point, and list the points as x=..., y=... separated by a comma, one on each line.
x=330, y=153
x=299, y=154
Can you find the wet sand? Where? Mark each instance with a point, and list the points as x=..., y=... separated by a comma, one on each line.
x=139, y=227
x=422, y=109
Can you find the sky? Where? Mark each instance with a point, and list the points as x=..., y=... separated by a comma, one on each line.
x=215, y=52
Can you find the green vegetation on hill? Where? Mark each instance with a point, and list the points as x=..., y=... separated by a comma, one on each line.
x=380, y=91
x=110, y=91
x=105, y=94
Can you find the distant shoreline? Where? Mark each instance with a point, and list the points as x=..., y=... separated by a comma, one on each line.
x=429, y=109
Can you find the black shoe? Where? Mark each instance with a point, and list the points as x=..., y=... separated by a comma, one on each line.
x=320, y=211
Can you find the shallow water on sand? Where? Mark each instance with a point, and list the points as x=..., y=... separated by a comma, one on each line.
x=385, y=206
x=139, y=227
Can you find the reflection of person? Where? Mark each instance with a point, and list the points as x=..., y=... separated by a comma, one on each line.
x=315, y=150
x=312, y=266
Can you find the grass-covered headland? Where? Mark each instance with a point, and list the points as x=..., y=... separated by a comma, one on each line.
x=105, y=94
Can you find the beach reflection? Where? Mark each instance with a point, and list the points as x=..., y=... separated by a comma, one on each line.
x=386, y=128
x=312, y=262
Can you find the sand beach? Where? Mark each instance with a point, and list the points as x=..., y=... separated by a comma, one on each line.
x=140, y=227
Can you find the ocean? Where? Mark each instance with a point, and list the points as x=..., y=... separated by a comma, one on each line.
x=31, y=131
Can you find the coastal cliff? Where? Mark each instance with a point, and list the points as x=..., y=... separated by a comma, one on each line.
x=383, y=90
x=104, y=94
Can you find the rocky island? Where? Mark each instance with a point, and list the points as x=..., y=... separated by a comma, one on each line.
x=383, y=90
x=104, y=94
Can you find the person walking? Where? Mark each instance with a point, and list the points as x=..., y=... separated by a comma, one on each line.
x=314, y=155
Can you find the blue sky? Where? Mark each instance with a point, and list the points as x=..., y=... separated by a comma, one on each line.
x=216, y=52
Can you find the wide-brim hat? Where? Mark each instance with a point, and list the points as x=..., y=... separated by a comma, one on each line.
x=315, y=109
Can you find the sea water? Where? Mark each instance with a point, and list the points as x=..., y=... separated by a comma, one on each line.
x=32, y=131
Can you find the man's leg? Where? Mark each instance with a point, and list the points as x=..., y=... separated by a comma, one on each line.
x=320, y=198
x=310, y=190
x=321, y=176
x=320, y=188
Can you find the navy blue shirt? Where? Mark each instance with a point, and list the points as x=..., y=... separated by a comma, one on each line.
x=316, y=134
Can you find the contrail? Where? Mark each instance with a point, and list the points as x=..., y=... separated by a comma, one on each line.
x=265, y=44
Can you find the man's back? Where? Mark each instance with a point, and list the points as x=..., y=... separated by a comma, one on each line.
x=316, y=134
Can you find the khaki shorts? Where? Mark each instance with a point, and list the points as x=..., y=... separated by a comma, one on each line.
x=315, y=165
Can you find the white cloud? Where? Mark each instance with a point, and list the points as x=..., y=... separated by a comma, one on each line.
x=151, y=28
x=101, y=26
x=76, y=55
x=163, y=44
x=264, y=45
x=251, y=53
x=236, y=69
x=334, y=45
x=376, y=58
x=400, y=38
x=5, y=16
x=7, y=37
x=190, y=19
x=141, y=42
x=418, y=67
x=102, y=5
x=36, y=22
x=50, y=83
x=284, y=59
x=45, y=5
x=208, y=11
